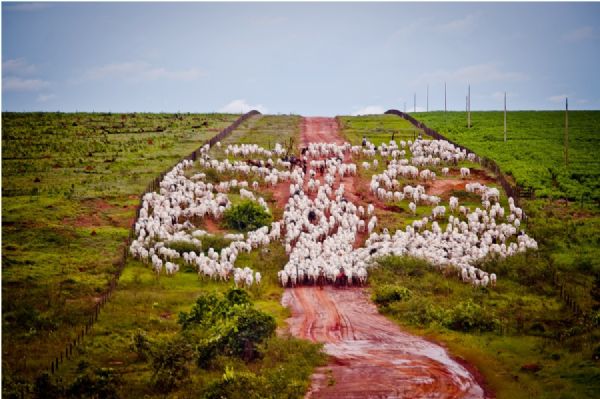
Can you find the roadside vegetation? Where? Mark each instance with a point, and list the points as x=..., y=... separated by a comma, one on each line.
x=526, y=338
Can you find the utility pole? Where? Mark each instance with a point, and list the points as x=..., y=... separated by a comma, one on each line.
x=415, y=104
x=505, y=117
x=427, y=99
x=469, y=107
x=566, y=132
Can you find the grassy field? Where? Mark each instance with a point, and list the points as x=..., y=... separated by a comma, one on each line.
x=511, y=333
x=70, y=184
x=63, y=235
x=146, y=303
x=520, y=335
x=534, y=151
x=377, y=128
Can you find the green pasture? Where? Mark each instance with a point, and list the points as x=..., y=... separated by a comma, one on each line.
x=534, y=151
x=376, y=128
x=70, y=185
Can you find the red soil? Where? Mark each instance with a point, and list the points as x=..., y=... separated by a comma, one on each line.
x=211, y=226
x=281, y=193
x=320, y=130
x=444, y=186
x=370, y=357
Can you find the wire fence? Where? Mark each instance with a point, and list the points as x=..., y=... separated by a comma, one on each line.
x=153, y=186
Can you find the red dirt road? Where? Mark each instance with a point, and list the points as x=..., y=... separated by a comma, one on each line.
x=320, y=130
x=370, y=356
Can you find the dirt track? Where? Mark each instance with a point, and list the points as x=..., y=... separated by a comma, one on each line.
x=370, y=356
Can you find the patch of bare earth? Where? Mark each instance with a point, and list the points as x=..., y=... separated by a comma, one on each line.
x=96, y=213
x=211, y=226
x=443, y=187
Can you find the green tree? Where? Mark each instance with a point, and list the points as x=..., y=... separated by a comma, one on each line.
x=170, y=364
x=252, y=327
x=246, y=216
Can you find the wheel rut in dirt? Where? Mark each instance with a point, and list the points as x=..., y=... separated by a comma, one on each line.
x=370, y=356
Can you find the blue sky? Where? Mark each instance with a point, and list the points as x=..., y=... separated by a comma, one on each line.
x=305, y=58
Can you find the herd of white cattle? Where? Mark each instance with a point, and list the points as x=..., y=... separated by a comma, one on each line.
x=320, y=224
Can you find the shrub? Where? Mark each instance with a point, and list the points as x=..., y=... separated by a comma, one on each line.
x=170, y=364
x=288, y=364
x=140, y=344
x=183, y=246
x=238, y=296
x=201, y=313
x=214, y=242
x=99, y=383
x=252, y=327
x=206, y=351
x=246, y=216
x=419, y=311
x=237, y=385
x=387, y=293
x=469, y=316
x=44, y=387
x=210, y=308
x=229, y=323
x=405, y=265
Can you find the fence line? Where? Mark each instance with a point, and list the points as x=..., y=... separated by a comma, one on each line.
x=154, y=185
x=513, y=190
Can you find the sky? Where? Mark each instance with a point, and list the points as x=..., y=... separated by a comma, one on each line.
x=301, y=58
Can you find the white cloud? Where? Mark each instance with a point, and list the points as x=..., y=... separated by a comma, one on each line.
x=579, y=34
x=17, y=66
x=26, y=7
x=42, y=98
x=241, y=106
x=559, y=98
x=369, y=110
x=470, y=74
x=141, y=71
x=13, y=83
